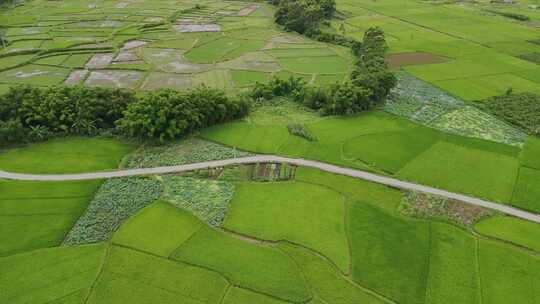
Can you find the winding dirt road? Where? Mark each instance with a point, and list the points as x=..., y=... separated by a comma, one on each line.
x=384, y=180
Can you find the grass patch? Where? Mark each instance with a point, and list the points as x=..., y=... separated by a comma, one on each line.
x=527, y=190
x=511, y=229
x=315, y=65
x=135, y=277
x=531, y=151
x=393, y=150
x=214, y=79
x=48, y=210
x=301, y=52
x=13, y=61
x=159, y=229
x=325, y=79
x=505, y=271
x=65, y=155
x=237, y=295
x=482, y=87
x=355, y=189
x=50, y=275
x=399, y=273
x=453, y=276
x=326, y=282
x=275, y=208
x=41, y=75
x=465, y=169
x=221, y=49
x=247, y=78
x=263, y=269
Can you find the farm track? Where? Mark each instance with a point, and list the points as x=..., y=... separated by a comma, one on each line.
x=384, y=180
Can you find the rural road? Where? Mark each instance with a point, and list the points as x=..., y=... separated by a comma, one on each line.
x=388, y=181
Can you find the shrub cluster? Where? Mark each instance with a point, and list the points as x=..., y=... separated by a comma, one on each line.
x=32, y=113
x=519, y=109
x=303, y=16
x=370, y=83
x=343, y=98
x=510, y=15
x=371, y=71
x=301, y=131
x=169, y=114
x=532, y=57
x=371, y=80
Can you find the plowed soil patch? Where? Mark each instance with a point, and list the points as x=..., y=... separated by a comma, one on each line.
x=399, y=60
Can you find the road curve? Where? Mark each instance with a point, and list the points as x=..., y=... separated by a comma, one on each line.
x=384, y=180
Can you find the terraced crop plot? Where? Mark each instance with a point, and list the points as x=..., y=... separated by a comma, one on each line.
x=484, y=52
x=275, y=233
x=165, y=252
x=164, y=44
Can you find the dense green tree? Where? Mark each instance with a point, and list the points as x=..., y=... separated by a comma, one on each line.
x=32, y=113
x=371, y=71
x=167, y=114
x=303, y=16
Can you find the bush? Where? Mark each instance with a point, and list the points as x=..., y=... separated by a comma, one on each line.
x=338, y=99
x=371, y=80
x=31, y=113
x=303, y=16
x=521, y=110
x=346, y=98
x=371, y=70
x=72, y=110
x=11, y=131
x=532, y=57
x=167, y=114
x=277, y=87
x=301, y=131
x=510, y=15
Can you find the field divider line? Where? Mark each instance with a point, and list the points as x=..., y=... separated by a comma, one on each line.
x=384, y=180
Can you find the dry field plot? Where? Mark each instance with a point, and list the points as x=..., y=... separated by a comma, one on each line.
x=399, y=60
x=131, y=44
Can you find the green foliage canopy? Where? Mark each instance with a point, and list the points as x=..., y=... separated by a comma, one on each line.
x=169, y=114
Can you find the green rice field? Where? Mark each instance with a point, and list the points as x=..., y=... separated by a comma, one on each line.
x=276, y=233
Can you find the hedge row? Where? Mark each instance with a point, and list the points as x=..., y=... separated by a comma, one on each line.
x=370, y=82
x=34, y=113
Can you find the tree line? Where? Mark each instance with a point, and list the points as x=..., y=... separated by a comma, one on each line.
x=370, y=81
x=36, y=113
x=369, y=84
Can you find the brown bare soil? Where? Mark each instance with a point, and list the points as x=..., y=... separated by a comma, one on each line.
x=467, y=213
x=399, y=60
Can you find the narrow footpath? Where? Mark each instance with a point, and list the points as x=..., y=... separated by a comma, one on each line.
x=384, y=180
